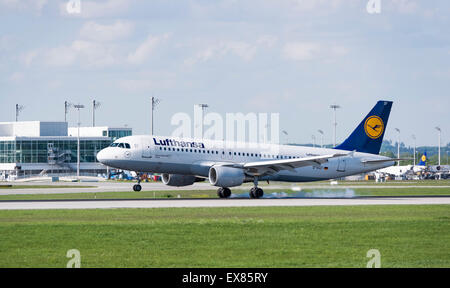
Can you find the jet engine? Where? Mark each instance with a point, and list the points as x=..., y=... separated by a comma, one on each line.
x=223, y=176
x=178, y=179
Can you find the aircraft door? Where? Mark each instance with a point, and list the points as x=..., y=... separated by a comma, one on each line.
x=147, y=149
x=342, y=163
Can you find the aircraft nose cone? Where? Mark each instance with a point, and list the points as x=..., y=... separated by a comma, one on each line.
x=102, y=156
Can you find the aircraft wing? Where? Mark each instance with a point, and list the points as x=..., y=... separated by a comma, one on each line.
x=273, y=166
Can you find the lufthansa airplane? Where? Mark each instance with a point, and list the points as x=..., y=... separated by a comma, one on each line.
x=184, y=161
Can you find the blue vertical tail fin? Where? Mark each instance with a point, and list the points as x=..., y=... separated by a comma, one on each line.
x=368, y=136
x=423, y=159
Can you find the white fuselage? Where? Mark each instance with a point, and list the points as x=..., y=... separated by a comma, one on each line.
x=195, y=157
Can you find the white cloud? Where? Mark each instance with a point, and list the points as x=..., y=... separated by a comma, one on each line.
x=98, y=32
x=267, y=40
x=83, y=53
x=96, y=9
x=301, y=51
x=404, y=6
x=145, y=49
x=16, y=77
x=244, y=50
x=320, y=5
x=28, y=57
x=35, y=6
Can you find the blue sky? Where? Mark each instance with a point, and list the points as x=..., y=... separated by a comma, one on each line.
x=293, y=57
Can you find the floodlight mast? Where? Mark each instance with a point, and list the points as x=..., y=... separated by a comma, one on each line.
x=335, y=107
x=203, y=106
x=67, y=105
x=321, y=138
x=18, y=109
x=398, y=146
x=95, y=105
x=154, y=103
x=78, y=107
x=439, y=145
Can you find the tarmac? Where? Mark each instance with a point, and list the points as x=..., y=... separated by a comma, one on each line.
x=207, y=203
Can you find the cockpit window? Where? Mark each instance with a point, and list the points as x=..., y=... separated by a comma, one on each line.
x=120, y=145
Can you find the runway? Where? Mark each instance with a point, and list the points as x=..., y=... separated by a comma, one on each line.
x=208, y=203
x=158, y=186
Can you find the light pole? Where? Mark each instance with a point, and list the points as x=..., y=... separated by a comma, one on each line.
x=67, y=105
x=287, y=134
x=335, y=107
x=321, y=137
x=78, y=107
x=203, y=106
x=155, y=102
x=314, y=140
x=18, y=109
x=398, y=146
x=439, y=145
x=95, y=105
x=414, y=138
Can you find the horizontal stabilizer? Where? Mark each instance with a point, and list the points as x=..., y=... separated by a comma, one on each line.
x=383, y=160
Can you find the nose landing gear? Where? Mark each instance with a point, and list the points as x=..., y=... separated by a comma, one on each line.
x=137, y=187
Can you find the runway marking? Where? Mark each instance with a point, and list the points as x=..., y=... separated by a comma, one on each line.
x=205, y=203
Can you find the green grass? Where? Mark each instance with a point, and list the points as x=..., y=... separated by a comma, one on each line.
x=406, y=236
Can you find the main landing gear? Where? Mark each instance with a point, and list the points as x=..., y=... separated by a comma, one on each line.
x=137, y=187
x=224, y=192
x=256, y=192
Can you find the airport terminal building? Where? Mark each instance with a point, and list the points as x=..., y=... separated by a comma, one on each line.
x=33, y=148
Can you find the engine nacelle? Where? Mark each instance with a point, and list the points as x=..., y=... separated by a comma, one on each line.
x=178, y=179
x=223, y=176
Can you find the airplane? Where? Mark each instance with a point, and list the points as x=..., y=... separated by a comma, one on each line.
x=184, y=161
x=400, y=171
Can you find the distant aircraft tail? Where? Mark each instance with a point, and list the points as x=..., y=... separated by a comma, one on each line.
x=368, y=136
x=423, y=159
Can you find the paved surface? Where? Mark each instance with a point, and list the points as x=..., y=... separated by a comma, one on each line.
x=178, y=203
x=158, y=186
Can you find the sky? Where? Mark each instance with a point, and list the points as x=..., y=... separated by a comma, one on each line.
x=292, y=57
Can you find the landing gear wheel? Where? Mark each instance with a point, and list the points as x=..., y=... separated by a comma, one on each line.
x=256, y=193
x=224, y=192
x=137, y=187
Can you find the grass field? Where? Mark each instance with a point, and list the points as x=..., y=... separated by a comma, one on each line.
x=406, y=236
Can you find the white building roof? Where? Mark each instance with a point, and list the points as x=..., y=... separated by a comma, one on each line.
x=33, y=129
